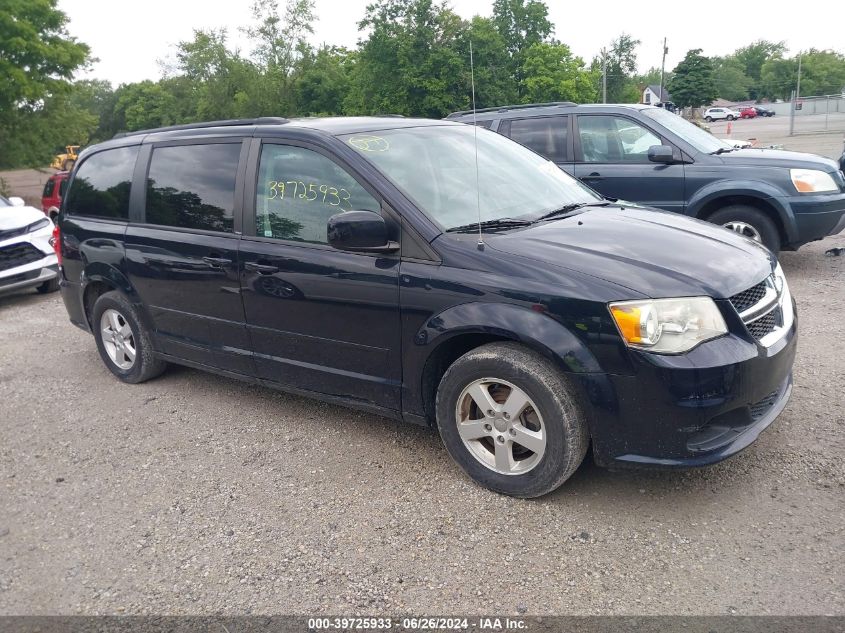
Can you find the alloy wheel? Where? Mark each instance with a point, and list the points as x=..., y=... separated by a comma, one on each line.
x=743, y=228
x=118, y=339
x=501, y=426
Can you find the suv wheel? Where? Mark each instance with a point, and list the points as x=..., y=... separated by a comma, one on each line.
x=750, y=222
x=123, y=342
x=709, y=119
x=730, y=117
x=509, y=418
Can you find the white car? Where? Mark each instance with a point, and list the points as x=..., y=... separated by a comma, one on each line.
x=720, y=114
x=27, y=257
x=737, y=143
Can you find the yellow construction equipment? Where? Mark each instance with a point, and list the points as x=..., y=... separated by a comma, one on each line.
x=67, y=160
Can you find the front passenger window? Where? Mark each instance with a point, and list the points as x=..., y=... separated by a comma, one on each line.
x=610, y=139
x=299, y=190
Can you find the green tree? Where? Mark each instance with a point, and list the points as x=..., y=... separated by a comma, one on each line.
x=37, y=61
x=552, y=73
x=279, y=42
x=410, y=63
x=621, y=67
x=494, y=83
x=751, y=59
x=731, y=81
x=322, y=80
x=822, y=72
x=521, y=24
x=692, y=81
x=144, y=105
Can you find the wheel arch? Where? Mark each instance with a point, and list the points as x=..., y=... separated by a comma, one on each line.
x=762, y=196
x=452, y=333
x=98, y=279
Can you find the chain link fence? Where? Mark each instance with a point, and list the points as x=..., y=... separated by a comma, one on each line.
x=810, y=115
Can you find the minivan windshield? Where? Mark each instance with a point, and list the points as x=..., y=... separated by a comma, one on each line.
x=435, y=166
x=700, y=139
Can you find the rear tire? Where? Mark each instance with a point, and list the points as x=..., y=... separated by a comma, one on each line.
x=746, y=220
x=528, y=437
x=124, y=343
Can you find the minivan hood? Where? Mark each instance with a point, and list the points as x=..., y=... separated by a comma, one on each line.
x=777, y=158
x=655, y=253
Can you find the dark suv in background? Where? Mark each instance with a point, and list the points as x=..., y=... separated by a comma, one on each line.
x=431, y=272
x=653, y=157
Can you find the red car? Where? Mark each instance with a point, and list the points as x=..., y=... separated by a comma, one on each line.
x=748, y=113
x=54, y=190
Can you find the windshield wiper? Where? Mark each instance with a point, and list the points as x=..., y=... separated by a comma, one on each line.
x=569, y=208
x=723, y=150
x=501, y=223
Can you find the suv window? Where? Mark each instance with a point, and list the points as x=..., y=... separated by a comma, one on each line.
x=102, y=184
x=611, y=139
x=48, y=188
x=193, y=186
x=299, y=190
x=545, y=135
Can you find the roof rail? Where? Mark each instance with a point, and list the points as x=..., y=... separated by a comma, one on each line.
x=507, y=108
x=264, y=120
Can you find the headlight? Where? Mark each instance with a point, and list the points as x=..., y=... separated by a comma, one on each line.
x=38, y=224
x=668, y=326
x=812, y=181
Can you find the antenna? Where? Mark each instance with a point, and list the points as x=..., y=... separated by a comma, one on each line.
x=475, y=135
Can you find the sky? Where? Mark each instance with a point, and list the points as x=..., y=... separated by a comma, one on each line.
x=130, y=38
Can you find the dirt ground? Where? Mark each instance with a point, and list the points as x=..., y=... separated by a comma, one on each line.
x=194, y=493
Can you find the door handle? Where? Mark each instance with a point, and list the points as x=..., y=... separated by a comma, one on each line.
x=594, y=176
x=217, y=262
x=261, y=269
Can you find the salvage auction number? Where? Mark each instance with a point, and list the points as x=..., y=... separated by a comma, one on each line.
x=277, y=190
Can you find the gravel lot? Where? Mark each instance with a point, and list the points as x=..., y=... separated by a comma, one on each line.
x=199, y=494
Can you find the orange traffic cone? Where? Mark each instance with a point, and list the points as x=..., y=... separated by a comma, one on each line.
x=729, y=128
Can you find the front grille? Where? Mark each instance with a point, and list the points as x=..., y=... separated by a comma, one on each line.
x=747, y=298
x=759, y=409
x=18, y=255
x=764, y=325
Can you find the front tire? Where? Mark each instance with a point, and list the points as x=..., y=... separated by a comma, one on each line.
x=730, y=117
x=709, y=119
x=123, y=342
x=750, y=222
x=510, y=420
x=48, y=286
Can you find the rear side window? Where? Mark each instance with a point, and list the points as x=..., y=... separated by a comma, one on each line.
x=48, y=188
x=102, y=184
x=545, y=135
x=193, y=186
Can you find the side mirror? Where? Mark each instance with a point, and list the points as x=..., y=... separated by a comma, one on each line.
x=660, y=154
x=17, y=202
x=362, y=231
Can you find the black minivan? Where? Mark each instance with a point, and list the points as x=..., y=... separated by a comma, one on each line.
x=432, y=272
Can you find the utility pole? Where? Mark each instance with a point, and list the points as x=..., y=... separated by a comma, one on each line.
x=796, y=95
x=604, y=75
x=662, y=67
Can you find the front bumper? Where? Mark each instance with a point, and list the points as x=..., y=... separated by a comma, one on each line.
x=817, y=216
x=29, y=275
x=693, y=409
